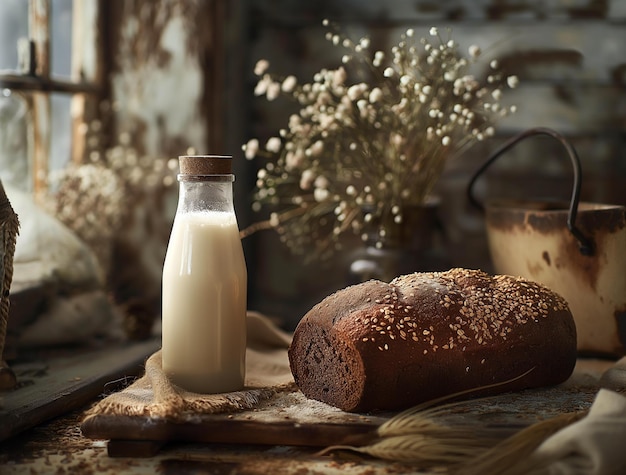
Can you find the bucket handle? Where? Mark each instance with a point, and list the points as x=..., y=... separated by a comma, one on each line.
x=585, y=244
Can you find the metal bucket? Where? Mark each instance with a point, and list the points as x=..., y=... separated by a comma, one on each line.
x=576, y=249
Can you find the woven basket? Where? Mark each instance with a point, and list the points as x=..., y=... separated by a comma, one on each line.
x=9, y=227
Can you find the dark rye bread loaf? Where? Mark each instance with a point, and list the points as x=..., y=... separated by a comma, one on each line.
x=379, y=346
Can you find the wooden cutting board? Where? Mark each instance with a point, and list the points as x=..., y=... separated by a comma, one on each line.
x=288, y=418
x=291, y=419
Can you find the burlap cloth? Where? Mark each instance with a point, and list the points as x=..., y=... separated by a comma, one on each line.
x=152, y=395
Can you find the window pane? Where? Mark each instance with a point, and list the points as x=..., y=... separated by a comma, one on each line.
x=60, y=131
x=61, y=38
x=14, y=162
x=13, y=25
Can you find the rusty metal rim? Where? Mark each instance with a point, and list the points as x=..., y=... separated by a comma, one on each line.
x=585, y=244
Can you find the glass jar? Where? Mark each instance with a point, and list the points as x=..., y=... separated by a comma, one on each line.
x=205, y=282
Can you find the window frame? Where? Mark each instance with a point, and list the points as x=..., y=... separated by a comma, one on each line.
x=34, y=81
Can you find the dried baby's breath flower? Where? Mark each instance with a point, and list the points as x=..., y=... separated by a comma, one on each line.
x=93, y=199
x=371, y=136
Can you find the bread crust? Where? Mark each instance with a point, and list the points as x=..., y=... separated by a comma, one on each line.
x=378, y=346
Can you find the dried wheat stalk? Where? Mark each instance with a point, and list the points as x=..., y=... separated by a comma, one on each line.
x=415, y=436
x=512, y=456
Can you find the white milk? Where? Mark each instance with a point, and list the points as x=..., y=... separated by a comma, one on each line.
x=204, y=303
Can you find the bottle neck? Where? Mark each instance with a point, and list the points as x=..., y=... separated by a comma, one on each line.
x=205, y=194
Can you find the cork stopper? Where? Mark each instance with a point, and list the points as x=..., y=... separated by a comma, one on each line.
x=205, y=164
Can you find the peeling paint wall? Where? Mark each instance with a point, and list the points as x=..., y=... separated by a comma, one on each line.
x=152, y=94
x=158, y=82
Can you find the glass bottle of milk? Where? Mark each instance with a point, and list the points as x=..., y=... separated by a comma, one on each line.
x=205, y=282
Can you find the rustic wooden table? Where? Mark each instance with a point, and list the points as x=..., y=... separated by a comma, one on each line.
x=58, y=446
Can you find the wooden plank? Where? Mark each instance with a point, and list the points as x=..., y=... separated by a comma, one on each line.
x=223, y=430
x=69, y=383
x=7, y=376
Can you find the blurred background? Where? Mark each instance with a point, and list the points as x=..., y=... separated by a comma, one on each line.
x=99, y=97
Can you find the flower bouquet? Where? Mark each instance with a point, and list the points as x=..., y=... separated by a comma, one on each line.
x=369, y=138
